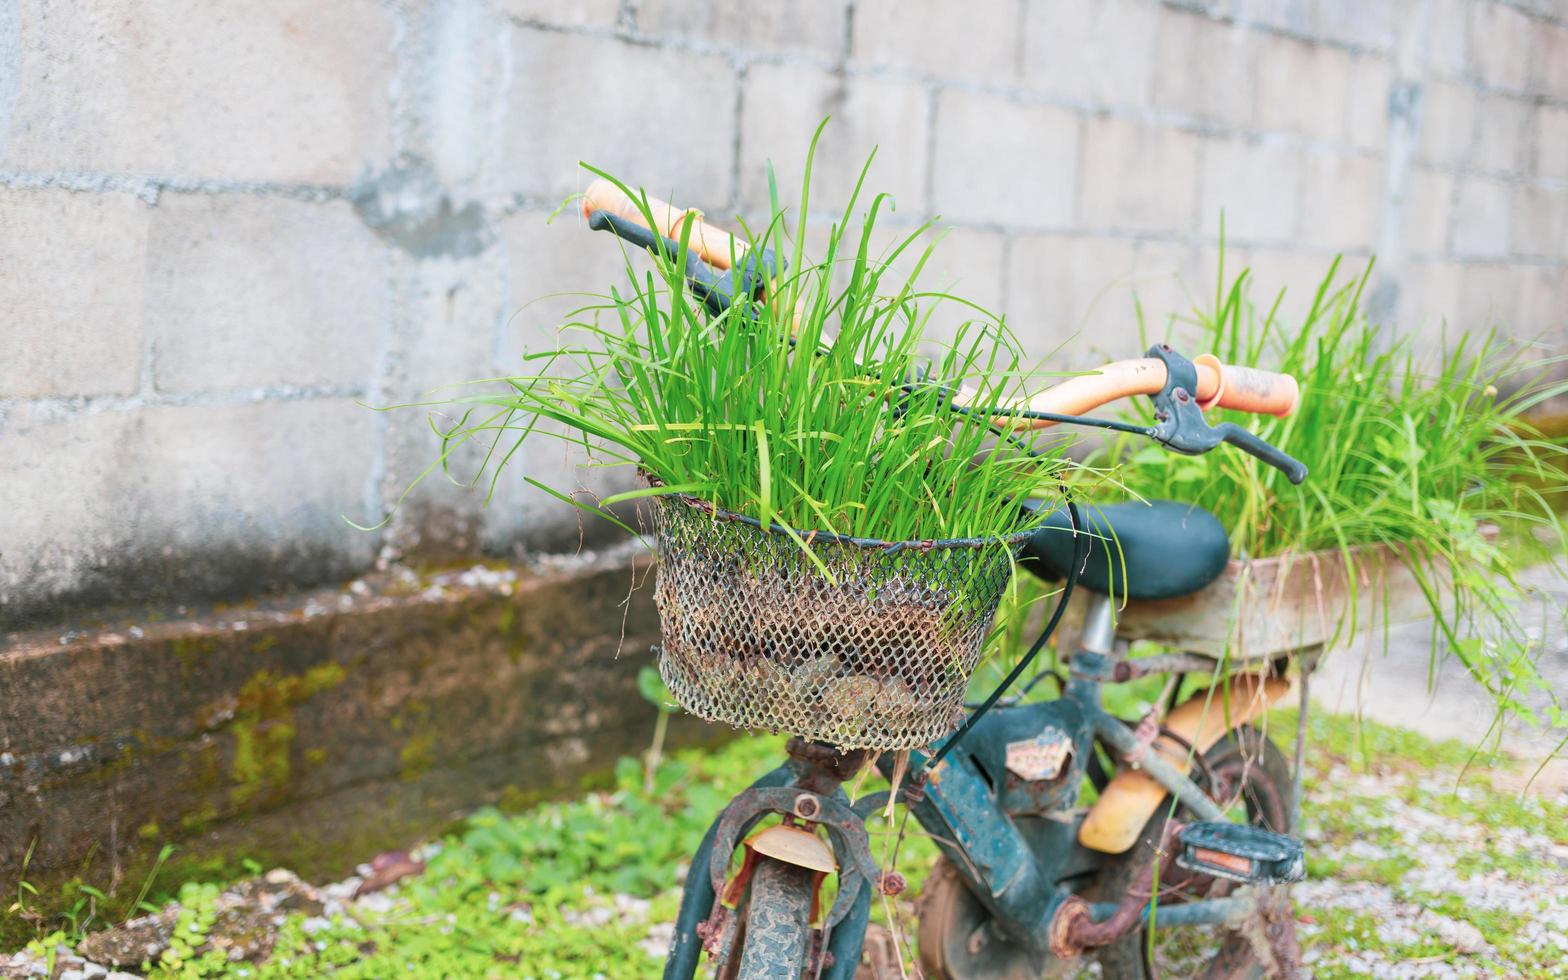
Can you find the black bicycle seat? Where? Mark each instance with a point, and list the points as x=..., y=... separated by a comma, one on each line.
x=1155, y=550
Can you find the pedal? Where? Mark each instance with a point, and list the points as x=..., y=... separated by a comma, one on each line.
x=1241, y=853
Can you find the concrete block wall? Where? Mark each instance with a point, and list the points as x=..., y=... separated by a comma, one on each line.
x=221, y=229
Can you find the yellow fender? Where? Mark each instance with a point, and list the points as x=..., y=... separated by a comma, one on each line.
x=1118, y=817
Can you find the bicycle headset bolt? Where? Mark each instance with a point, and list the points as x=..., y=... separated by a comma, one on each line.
x=806, y=806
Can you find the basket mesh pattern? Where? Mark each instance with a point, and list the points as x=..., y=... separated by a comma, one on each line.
x=877, y=654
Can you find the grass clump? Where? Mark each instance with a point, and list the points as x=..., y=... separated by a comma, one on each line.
x=807, y=407
x=1429, y=452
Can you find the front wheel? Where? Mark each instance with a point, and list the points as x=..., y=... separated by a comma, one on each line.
x=1248, y=776
x=774, y=933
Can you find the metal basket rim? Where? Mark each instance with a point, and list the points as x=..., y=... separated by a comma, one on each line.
x=716, y=512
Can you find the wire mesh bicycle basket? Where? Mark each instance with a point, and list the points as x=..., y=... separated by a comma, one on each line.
x=877, y=654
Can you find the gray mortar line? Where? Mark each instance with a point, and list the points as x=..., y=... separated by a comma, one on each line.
x=742, y=79
x=848, y=49
x=933, y=94
x=378, y=384
x=1523, y=7
x=148, y=188
x=71, y=406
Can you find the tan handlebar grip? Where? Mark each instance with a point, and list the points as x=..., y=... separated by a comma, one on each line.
x=715, y=246
x=1241, y=388
x=1246, y=389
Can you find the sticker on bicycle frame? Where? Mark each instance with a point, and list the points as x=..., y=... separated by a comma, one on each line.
x=1040, y=757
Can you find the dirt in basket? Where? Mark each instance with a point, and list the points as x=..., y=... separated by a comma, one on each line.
x=829, y=648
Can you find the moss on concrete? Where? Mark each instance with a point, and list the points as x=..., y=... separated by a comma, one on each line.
x=264, y=730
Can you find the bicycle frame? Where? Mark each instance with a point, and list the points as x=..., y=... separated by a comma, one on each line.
x=1014, y=842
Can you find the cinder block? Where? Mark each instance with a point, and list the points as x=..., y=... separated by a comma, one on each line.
x=1001, y=163
x=1481, y=218
x=74, y=268
x=65, y=487
x=1256, y=185
x=182, y=501
x=1302, y=88
x=1099, y=52
x=1341, y=201
x=289, y=91
x=1170, y=281
x=1429, y=303
x=1500, y=42
x=557, y=271
x=556, y=268
x=970, y=265
x=1448, y=123
x=444, y=334
x=812, y=27
x=1447, y=40
x=1369, y=26
x=1502, y=142
x=1138, y=176
x=1348, y=22
x=1366, y=116
x=613, y=105
x=785, y=104
x=974, y=40
x=1538, y=223
x=212, y=473
x=1298, y=274
x=578, y=13
x=1551, y=142
x=249, y=291
x=1543, y=311
x=1289, y=16
x=1549, y=60
x=1204, y=68
x=1070, y=298
x=1488, y=298
x=1427, y=209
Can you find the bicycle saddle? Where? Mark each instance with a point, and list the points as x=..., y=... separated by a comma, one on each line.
x=1155, y=550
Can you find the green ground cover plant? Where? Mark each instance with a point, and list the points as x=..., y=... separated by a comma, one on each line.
x=1401, y=860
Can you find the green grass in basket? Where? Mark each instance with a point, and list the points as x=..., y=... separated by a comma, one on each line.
x=815, y=435
x=1413, y=447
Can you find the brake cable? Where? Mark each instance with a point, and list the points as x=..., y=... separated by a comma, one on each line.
x=1025, y=413
x=1080, y=552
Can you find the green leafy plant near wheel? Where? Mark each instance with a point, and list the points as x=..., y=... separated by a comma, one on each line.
x=1427, y=450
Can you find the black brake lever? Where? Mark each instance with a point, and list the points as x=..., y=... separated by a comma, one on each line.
x=718, y=289
x=1294, y=469
x=1180, y=425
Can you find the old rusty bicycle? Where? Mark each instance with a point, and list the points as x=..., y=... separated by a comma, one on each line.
x=1160, y=846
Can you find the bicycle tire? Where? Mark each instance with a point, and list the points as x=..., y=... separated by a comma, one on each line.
x=777, y=937
x=950, y=919
x=1267, y=790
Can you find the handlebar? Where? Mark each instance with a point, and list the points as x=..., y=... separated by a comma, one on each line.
x=1231, y=386
x=1181, y=389
x=713, y=245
